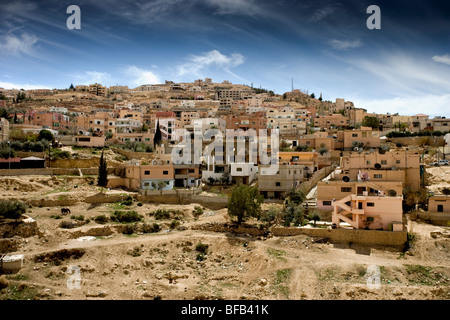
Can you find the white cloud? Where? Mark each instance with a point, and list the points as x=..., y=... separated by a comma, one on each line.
x=345, y=44
x=196, y=65
x=90, y=77
x=10, y=85
x=442, y=59
x=18, y=44
x=429, y=104
x=139, y=76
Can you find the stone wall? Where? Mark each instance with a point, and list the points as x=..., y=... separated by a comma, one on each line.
x=134, y=155
x=10, y=244
x=184, y=197
x=416, y=141
x=436, y=218
x=25, y=229
x=365, y=237
x=242, y=229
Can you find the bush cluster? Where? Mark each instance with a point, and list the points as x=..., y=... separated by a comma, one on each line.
x=126, y=216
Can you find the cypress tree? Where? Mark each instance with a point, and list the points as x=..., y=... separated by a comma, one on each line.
x=157, y=137
x=102, y=172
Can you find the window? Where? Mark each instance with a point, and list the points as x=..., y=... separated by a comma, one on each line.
x=370, y=204
x=368, y=162
x=147, y=172
x=440, y=208
x=377, y=176
x=165, y=173
x=346, y=189
x=326, y=203
x=239, y=169
x=397, y=162
x=354, y=135
x=369, y=219
x=383, y=161
x=146, y=184
x=277, y=184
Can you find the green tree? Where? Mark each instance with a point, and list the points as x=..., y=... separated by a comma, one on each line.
x=45, y=135
x=313, y=96
x=244, y=202
x=372, y=122
x=323, y=149
x=296, y=196
x=102, y=172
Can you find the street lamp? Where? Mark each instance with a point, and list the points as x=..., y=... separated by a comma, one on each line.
x=9, y=157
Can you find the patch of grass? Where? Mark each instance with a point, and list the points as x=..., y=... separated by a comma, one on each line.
x=18, y=277
x=19, y=292
x=202, y=248
x=174, y=224
x=422, y=275
x=281, y=280
x=163, y=214
x=278, y=254
x=57, y=217
x=329, y=274
x=78, y=218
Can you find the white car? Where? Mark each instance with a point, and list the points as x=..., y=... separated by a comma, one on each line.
x=443, y=162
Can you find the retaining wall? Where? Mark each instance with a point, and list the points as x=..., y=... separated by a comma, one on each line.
x=366, y=237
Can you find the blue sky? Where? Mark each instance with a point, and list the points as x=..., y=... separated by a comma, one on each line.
x=324, y=46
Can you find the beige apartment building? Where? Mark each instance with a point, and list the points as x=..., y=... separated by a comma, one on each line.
x=98, y=89
x=334, y=120
x=279, y=185
x=366, y=135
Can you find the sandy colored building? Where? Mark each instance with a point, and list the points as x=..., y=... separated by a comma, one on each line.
x=399, y=166
x=369, y=212
x=89, y=141
x=366, y=135
x=310, y=160
x=439, y=203
x=277, y=186
x=334, y=120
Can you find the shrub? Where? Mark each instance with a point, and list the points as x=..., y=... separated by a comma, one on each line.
x=101, y=219
x=139, y=204
x=174, y=224
x=136, y=252
x=153, y=228
x=127, y=202
x=162, y=214
x=67, y=225
x=446, y=191
x=198, y=211
x=12, y=209
x=56, y=217
x=129, y=229
x=201, y=248
x=126, y=216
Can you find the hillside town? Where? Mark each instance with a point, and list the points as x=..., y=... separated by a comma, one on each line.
x=156, y=175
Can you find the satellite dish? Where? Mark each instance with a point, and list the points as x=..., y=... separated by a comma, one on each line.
x=377, y=166
x=345, y=179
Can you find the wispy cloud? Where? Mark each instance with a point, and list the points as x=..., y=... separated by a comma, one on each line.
x=16, y=45
x=138, y=76
x=199, y=64
x=239, y=7
x=442, y=59
x=26, y=86
x=432, y=105
x=90, y=77
x=321, y=14
x=345, y=44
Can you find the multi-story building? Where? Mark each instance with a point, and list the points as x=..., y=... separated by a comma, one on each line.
x=335, y=120
x=98, y=89
x=365, y=137
x=441, y=124
x=50, y=120
x=277, y=186
x=369, y=212
x=310, y=160
x=420, y=122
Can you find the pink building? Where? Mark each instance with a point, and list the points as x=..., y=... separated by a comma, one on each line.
x=369, y=212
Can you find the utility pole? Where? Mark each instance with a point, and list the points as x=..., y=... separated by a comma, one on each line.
x=9, y=157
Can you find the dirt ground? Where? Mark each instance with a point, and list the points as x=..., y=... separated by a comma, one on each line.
x=440, y=178
x=166, y=265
